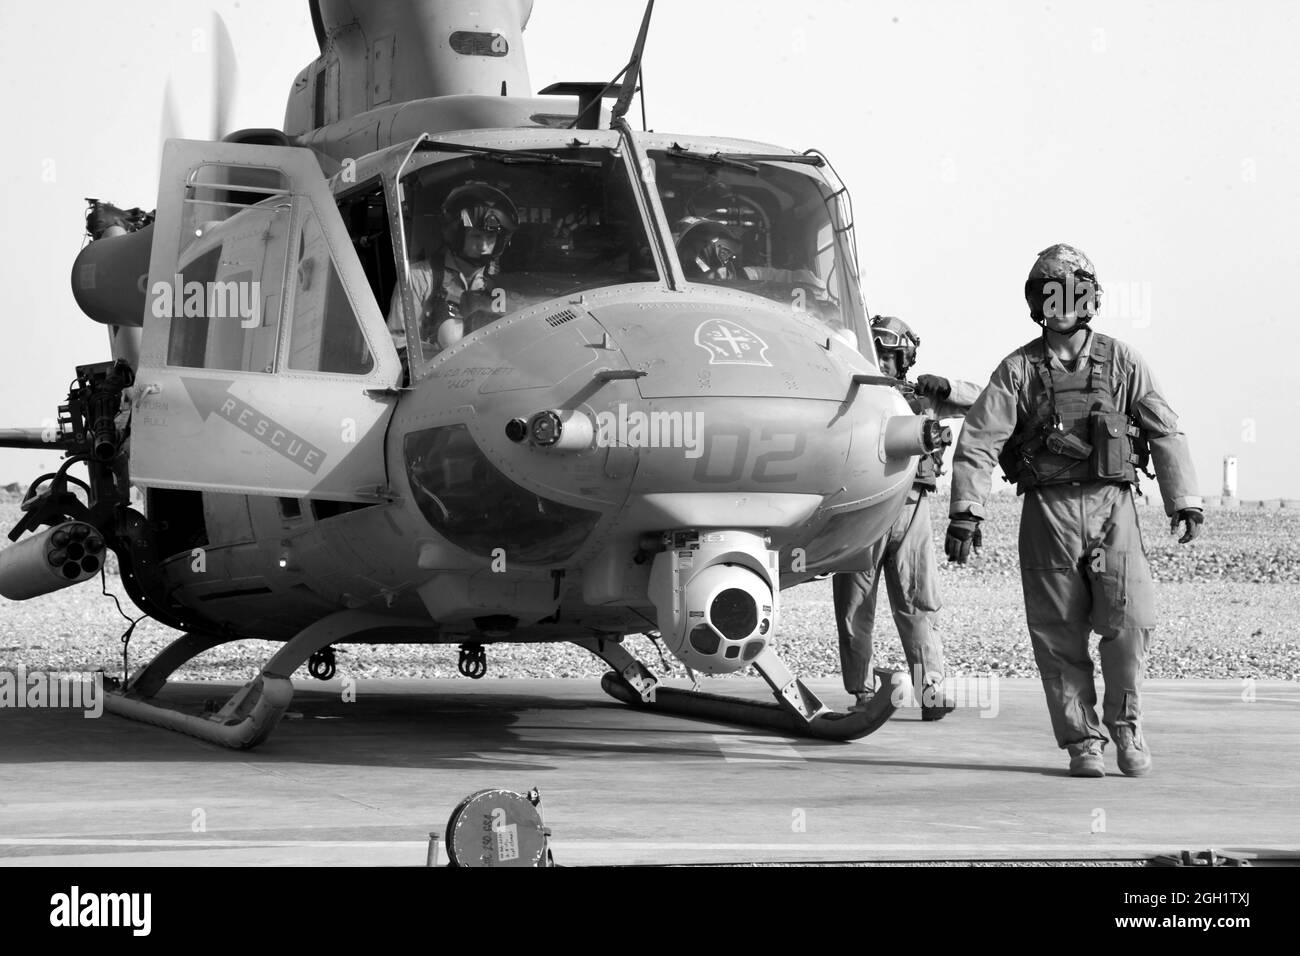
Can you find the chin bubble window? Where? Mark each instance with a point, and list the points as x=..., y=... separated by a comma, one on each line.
x=473, y=505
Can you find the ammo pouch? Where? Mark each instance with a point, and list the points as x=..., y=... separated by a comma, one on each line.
x=1112, y=447
x=1066, y=445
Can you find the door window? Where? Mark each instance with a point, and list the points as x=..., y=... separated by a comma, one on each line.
x=324, y=334
x=223, y=301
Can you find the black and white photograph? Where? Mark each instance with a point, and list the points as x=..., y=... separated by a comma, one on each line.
x=564, y=433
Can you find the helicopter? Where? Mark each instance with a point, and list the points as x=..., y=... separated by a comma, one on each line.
x=445, y=362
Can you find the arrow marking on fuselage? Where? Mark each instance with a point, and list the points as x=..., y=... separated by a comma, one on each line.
x=211, y=395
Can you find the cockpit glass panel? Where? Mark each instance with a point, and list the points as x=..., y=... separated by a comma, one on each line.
x=489, y=235
x=762, y=227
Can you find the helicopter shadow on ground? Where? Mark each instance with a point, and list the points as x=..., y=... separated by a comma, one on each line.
x=420, y=728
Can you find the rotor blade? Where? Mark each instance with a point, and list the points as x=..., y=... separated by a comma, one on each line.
x=169, y=125
x=225, y=74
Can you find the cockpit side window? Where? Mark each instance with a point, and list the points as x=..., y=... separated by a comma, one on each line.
x=365, y=214
x=488, y=236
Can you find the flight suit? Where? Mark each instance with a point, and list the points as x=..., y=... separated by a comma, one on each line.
x=906, y=558
x=1083, y=566
x=440, y=300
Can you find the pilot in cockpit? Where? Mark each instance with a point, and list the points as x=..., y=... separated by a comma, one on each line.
x=477, y=222
x=711, y=252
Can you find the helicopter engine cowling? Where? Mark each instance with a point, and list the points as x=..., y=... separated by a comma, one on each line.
x=376, y=54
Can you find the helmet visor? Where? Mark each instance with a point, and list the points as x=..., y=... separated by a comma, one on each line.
x=887, y=338
x=483, y=218
x=1077, y=293
x=718, y=257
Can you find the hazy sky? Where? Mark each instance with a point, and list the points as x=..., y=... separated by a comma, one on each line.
x=1160, y=137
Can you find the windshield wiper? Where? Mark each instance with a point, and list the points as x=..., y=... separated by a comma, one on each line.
x=507, y=156
x=746, y=161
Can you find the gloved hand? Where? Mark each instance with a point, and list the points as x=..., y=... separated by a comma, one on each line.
x=933, y=386
x=963, y=534
x=1191, y=519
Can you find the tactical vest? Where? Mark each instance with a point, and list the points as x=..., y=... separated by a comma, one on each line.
x=1077, y=431
x=928, y=467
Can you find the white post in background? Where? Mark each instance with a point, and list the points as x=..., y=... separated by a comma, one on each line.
x=1229, y=476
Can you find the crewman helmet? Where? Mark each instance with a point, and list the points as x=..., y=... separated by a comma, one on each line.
x=480, y=207
x=892, y=334
x=709, y=250
x=1062, y=280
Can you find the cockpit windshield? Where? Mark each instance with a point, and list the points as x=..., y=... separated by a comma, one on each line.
x=494, y=231
x=761, y=227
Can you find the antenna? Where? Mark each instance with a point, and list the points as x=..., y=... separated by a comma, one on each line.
x=590, y=94
x=633, y=68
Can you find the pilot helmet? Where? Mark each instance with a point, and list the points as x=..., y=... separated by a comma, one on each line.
x=482, y=207
x=709, y=250
x=1062, y=277
x=892, y=334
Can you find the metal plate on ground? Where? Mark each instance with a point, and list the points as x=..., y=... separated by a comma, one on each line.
x=496, y=828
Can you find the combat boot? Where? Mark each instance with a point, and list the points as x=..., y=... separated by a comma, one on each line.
x=938, y=712
x=1134, y=757
x=1085, y=759
x=935, y=704
x=862, y=700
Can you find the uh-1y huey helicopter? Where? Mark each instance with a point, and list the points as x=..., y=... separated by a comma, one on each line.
x=443, y=363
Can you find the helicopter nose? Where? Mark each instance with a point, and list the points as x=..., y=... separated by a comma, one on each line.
x=728, y=349
x=580, y=426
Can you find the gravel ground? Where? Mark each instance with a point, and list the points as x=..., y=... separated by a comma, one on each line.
x=1228, y=605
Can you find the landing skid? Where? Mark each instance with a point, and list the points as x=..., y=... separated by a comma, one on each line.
x=253, y=711
x=797, y=710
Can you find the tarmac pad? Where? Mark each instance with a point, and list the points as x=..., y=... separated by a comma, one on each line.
x=366, y=780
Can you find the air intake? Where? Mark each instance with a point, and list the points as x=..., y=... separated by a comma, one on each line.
x=559, y=318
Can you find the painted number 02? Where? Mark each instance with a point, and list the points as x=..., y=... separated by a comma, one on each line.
x=726, y=457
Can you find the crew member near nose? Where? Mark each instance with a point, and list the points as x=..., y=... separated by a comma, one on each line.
x=477, y=223
x=1071, y=417
x=906, y=555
